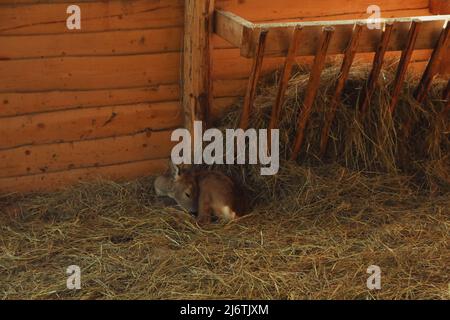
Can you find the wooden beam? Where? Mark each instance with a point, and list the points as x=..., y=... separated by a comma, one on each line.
x=376, y=70
x=403, y=63
x=433, y=65
x=232, y=28
x=284, y=79
x=446, y=93
x=197, y=90
x=311, y=90
x=253, y=81
x=343, y=76
x=278, y=40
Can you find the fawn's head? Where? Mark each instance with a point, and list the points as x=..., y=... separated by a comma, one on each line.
x=184, y=188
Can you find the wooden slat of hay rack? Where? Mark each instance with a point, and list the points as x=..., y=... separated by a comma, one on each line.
x=346, y=37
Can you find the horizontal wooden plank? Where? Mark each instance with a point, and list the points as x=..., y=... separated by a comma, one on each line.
x=279, y=35
x=96, y=43
x=92, y=123
x=116, y=72
x=264, y=10
x=81, y=154
x=351, y=15
x=230, y=26
x=13, y=104
x=91, y=44
x=57, y=180
x=89, y=73
x=48, y=18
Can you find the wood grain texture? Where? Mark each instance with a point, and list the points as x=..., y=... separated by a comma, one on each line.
x=439, y=6
x=197, y=62
x=87, y=73
x=46, y=182
x=269, y=10
x=89, y=44
x=13, y=104
x=50, y=18
x=81, y=154
x=92, y=123
x=278, y=39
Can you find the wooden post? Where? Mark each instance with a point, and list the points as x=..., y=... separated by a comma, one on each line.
x=446, y=97
x=284, y=78
x=349, y=56
x=197, y=84
x=433, y=66
x=446, y=93
x=253, y=81
x=404, y=62
x=376, y=69
x=311, y=90
x=442, y=7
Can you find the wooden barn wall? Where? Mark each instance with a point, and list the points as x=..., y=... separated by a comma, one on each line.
x=102, y=101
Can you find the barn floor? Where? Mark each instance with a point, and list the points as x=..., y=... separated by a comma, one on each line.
x=315, y=244
x=379, y=198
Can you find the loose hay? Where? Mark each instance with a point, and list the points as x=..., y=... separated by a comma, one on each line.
x=312, y=231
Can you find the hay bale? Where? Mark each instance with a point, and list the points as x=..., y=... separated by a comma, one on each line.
x=375, y=144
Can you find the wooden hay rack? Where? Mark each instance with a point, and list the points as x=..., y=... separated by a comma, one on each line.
x=319, y=39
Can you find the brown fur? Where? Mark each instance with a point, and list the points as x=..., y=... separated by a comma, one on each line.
x=209, y=193
x=216, y=196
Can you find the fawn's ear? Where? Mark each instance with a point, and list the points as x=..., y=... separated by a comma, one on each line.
x=175, y=170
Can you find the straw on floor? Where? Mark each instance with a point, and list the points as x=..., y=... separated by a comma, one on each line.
x=377, y=198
